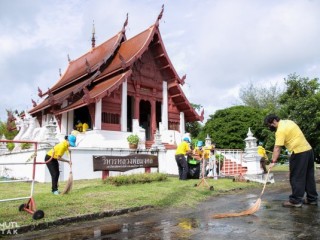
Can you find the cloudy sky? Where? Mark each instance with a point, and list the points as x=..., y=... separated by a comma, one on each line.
x=221, y=45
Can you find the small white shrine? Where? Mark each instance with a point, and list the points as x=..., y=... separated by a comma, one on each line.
x=252, y=160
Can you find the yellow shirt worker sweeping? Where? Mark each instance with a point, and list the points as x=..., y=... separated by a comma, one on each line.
x=301, y=161
x=54, y=155
x=182, y=150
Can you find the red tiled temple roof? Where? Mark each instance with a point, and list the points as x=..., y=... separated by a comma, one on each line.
x=107, y=64
x=99, y=91
x=89, y=62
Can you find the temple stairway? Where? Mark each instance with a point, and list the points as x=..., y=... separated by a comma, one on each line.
x=230, y=168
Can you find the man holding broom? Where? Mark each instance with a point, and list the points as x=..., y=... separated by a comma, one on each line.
x=54, y=155
x=301, y=161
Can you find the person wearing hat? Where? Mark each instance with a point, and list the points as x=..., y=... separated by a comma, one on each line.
x=54, y=155
x=182, y=150
x=198, y=154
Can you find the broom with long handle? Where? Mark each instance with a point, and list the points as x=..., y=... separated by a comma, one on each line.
x=69, y=183
x=249, y=211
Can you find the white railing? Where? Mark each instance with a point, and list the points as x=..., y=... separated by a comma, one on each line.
x=235, y=156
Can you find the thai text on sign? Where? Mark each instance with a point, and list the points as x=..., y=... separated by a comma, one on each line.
x=124, y=163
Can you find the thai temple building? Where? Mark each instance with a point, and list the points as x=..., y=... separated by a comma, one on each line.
x=123, y=86
x=118, y=88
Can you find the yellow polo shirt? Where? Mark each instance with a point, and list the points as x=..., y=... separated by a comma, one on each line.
x=198, y=153
x=207, y=151
x=262, y=152
x=183, y=148
x=85, y=126
x=289, y=134
x=59, y=149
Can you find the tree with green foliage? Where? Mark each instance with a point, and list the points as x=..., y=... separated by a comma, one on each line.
x=264, y=98
x=229, y=127
x=194, y=128
x=8, y=130
x=301, y=103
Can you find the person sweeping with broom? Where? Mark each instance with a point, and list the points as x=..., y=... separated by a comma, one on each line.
x=54, y=155
x=301, y=165
x=301, y=161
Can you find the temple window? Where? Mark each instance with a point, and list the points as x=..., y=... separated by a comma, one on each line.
x=112, y=118
x=174, y=126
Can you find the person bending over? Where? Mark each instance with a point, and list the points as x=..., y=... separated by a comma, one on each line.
x=301, y=161
x=54, y=155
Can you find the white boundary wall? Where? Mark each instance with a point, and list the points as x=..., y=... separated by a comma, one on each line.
x=82, y=167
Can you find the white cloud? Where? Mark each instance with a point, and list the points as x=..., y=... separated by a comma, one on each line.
x=220, y=45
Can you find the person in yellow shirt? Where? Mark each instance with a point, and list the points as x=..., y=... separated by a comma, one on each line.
x=208, y=155
x=85, y=126
x=263, y=157
x=182, y=150
x=53, y=156
x=301, y=161
x=198, y=154
x=79, y=126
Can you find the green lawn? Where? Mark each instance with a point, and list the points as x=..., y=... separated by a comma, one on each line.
x=281, y=168
x=93, y=196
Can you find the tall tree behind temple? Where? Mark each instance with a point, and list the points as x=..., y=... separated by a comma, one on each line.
x=194, y=128
x=264, y=98
x=229, y=127
x=301, y=103
x=8, y=128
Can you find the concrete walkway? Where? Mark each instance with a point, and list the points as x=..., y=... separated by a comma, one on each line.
x=272, y=221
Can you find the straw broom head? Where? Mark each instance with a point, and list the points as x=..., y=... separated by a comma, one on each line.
x=69, y=183
x=249, y=211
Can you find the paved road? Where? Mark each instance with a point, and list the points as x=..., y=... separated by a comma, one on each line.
x=272, y=221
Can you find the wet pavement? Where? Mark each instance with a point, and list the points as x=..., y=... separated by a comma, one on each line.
x=271, y=221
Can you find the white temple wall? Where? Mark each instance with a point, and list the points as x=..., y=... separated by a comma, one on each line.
x=82, y=167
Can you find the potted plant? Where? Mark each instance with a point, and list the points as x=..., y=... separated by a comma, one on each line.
x=133, y=140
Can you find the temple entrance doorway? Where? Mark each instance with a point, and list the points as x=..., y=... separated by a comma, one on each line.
x=82, y=114
x=130, y=103
x=145, y=117
x=158, y=113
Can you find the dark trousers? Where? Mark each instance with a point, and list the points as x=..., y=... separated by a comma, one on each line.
x=263, y=164
x=302, y=178
x=53, y=167
x=182, y=166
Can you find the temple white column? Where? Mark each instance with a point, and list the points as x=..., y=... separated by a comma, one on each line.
x=182, y=124
x=164, y=113
x=97, y=116
x=70, y=125
x=64, y=120
x=124, y=106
